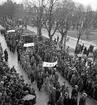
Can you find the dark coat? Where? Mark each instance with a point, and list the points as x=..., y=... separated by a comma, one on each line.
x=57, y=94
x=6, y=55
x=74, y=92
x=82, y=101
x=59, y=102
x=73, y=101
x=85, y=51
x=66, y=101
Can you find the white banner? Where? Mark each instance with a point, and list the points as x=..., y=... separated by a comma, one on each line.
x=28, y=44
x=10, y=31
x=49, y=64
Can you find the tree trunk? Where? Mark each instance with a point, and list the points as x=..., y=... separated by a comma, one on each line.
x=65, y=42
x=50, y=36
x=39, y=33
x=79, y=35
x=62, y=37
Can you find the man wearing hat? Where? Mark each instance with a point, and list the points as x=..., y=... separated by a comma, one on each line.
x=66, y=100
x=82, y=100
x=6, y=55
x=75, y=91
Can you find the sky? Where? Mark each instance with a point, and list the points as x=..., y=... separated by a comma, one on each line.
x=93, y=3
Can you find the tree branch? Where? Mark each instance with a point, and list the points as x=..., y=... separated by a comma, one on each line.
x=55, y=30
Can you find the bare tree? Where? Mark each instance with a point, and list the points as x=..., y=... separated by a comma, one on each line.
x=86, y=24
x=39, y=17
x=65, y=13
x=95, y=20
x=80, y=20
x=37, y=11
x=89, y=18
x=49, y=18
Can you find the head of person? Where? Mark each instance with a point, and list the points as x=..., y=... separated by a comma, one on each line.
x=84, y=95
x=60, y=98
x=66, y=94
x=67, y=87
x=76, y=87
x=0, y=94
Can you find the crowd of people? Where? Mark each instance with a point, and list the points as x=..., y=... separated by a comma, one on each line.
x=84, y=50
x=81, y=73
x=13, y=88
x=32, y=58
x=12, y=39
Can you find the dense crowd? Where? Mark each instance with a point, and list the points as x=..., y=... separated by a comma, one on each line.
x=13, y=89
x=12, y=41
x=31, y=59
x=80, y=71
x=81, y=74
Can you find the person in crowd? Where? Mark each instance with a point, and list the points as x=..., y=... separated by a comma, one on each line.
x=47, y=83
x=66, y=100
x=73, y=100
x=73, y=80
x=75, y=91
x=53, y=96
x=50, y=96
x=32, y=77
x=82, y=100
x=6, y=55
x=85, y=51
x=58, y=93
x=60, y=101
x=82, y=47
x=39, y=83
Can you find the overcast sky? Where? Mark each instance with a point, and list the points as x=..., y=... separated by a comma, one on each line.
x=93, y=3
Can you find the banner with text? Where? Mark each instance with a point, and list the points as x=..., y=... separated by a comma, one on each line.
x=28, y=44
x=50, y=64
